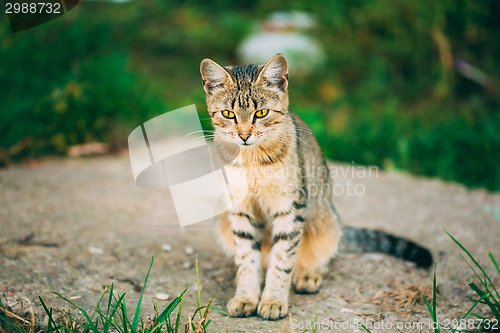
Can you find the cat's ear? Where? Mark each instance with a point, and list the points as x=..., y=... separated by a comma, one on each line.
x=275, y=73
x=214, y=75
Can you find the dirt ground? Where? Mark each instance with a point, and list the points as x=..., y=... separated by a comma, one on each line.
x=74, y=226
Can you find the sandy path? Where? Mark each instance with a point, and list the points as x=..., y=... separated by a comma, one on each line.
x=93, y=226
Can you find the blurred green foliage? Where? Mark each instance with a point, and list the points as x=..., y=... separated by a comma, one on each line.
x=66, y=83
x=389, y=94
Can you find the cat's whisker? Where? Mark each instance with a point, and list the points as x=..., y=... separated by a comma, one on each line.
x=200, y=131
x=287, y=142
x=298, y=137
x=200, y=139
x=196, y=132
x=298, y=130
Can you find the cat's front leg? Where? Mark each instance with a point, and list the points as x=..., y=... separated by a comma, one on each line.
x=247, y=238
x=286, y=234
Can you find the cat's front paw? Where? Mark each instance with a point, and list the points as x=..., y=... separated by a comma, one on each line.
x=272, y=310
x=241, y=307
x=308, y=283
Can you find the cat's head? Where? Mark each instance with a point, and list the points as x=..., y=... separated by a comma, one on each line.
x=248, y=105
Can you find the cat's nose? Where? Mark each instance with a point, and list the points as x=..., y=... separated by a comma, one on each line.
x=244, y=137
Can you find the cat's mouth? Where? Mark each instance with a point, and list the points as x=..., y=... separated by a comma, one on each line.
x=250, y=141
x=247, y=144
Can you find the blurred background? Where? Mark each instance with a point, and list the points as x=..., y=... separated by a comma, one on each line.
x=404, y=85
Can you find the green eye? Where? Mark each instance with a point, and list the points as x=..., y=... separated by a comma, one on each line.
x=228, y=114
x=261, y=113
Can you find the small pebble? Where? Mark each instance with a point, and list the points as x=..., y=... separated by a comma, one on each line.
x=346, y=310
x=95, y=250
x=161, y=296
x=189, y=250
x=166, y=247
x=187, y=265
x=216, y=272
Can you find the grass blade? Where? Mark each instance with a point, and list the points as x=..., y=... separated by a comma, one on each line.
x=208, y=307
x=93, y=327
x=471, y=268
x=49, y=313
x=433, y=315
x=363, y=326
x=73, y=320
x=107, y=322
x=125, y=321
x=434, y=294
x=478, y=316
x=487, y=301
x=220, y=311
x=475, y=304
x=475, y=263
x=97, y=308
x=135, y=321
x=116, y=326
x=114, y=309
x=170, y=308
x=433, y=308
x=198, y=284
x=7, y=320
x=11, y=324
x=178, y=319
x=169, y=325
x=494, y=263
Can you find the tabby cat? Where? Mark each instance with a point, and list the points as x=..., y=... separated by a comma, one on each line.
x=284, y=229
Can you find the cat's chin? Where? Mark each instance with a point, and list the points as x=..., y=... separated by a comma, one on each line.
x=247, y=146
x=244, y=146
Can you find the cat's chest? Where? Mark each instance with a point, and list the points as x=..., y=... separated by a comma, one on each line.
x=262, y=180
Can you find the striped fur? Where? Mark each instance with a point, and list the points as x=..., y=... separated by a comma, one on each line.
x=284, y=230
x=356, y=240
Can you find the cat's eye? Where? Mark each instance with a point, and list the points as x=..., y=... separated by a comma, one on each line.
x=228, y=114
x=261, y=113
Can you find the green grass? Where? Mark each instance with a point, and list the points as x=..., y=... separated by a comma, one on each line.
x=432, y=308
x=487, y=294
x=111, y=315
x=487, y=291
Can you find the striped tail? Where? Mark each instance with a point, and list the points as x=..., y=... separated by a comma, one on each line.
x=361, y=240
